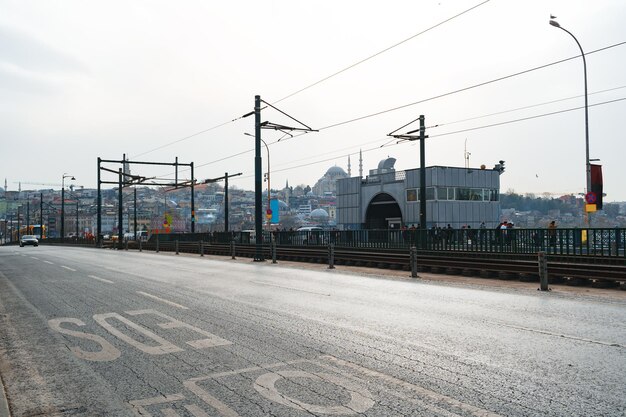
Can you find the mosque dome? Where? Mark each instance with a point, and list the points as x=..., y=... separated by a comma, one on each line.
x=319, y=214
x=335, y=171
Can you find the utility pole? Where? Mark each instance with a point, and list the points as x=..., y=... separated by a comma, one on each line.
x=41, y=234
x=422, y=138
x=27, y=216
x=99, y=216
x=120, y=214
x=135, y=214
x=193, y=203
x=258, y=182
x=226, y=226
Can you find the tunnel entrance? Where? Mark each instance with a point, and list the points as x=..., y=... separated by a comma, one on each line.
x=383, y=212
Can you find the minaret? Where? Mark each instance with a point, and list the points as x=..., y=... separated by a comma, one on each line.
x=360, y=163
x=349, y=168
x=5, y=185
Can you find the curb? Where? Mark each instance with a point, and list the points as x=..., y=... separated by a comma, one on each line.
x=4, y=404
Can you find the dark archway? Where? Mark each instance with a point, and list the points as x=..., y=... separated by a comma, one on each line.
x=381, y=211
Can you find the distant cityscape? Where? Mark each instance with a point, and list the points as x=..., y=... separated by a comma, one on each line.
x=169, y=210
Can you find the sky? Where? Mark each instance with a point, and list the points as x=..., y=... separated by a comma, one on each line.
x=156, y=80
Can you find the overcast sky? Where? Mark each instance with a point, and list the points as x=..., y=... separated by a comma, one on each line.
x=82, y=79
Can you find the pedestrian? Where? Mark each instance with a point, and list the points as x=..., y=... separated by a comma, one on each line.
x=552, y=233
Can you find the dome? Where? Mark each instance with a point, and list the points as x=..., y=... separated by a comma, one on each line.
x=335, y=170
x=319, y=214
x=386, y=164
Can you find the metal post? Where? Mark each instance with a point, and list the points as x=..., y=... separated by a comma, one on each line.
x=126, y=245
x=41, y=234
x=76, y=217
x=140, y=245
x=176, y=246
x=331, y=256
x=543, y=271
x=135, y=211
x=413, y=262
x=258, y=182
x=422, y=140
x=28, y=217
x=63, y=209
x=226, y=202
x=120, y=213
x=99, y=220
x=157, y=244
x=273, y=250
x=232, y=248
x=201, y=248
x=193, y=204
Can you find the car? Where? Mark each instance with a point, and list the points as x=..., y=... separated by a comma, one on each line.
x=28, y=240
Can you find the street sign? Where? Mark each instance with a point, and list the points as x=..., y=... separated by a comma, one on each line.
x=591, y=197
x=269, y=212
x=590, y=208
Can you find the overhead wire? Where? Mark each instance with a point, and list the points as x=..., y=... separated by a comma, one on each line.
x=319, y=81
x=399, y=142
x=380, y=52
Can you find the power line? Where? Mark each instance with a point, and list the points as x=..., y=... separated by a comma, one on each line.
x=524, y=107
x=443, y=134
x=380, y=52
x=464, y=88
x=526, y=118
x=187, y=137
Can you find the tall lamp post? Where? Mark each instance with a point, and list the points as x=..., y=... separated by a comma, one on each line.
x=63, y=203
x=582, y=53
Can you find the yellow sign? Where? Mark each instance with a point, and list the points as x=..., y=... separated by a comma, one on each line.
x=590, y=208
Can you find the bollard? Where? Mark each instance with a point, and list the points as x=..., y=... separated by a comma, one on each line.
x=413, y=262
x=140, y=245
x=273, y=251
x=176, y=246
x=157, y=245
x=232, y=248
x=126, y=245
x=201, y=248
x=543, y=271
x=331, y=256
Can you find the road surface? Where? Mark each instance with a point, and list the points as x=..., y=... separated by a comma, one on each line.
x=87, y=332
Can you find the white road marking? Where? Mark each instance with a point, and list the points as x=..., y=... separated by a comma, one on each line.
x=50, y=263
x=360, y=398
x=173, y=304
x=289, y=288
x=163, y=346
x=68, y=268
x=101, y=279
x=211, y=340
x=565, y=336
x=34, y=257
x=108, y=352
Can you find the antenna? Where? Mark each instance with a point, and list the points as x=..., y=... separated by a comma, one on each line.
x=466, y=155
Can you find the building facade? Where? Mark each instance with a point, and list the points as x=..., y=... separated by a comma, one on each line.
x=389, y=199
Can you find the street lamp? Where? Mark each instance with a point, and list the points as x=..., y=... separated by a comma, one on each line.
x=63, y=203
x=582, y=53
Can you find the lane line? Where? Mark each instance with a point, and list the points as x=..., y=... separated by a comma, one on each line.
x=565, y=336
x=101, y=279
x=289, y=288
x=173, y=304
x=48, y=262
x=34, y=257
x=68, y=268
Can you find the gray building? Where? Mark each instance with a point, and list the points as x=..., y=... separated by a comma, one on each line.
x=388, y=199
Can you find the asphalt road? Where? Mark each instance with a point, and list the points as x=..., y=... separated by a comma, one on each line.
x=86, y=332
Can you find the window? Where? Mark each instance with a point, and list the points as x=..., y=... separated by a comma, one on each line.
x=463, y=194
x=411, y=195
x=476, y=194
x=430, y=193
x=493, y=195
